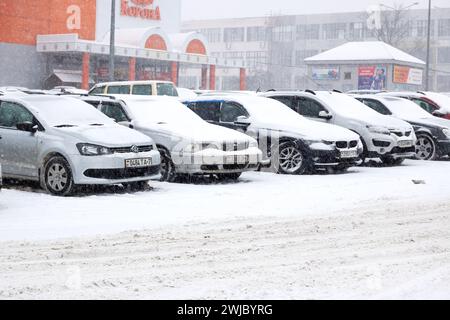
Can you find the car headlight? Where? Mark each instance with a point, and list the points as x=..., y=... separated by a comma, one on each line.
x=253, y=144
x=446, y=132
x=379, y=130
x=87, y=149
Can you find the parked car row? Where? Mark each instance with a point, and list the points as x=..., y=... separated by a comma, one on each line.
x=130, y=132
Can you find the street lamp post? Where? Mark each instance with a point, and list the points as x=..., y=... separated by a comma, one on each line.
x=427, y=68
x=112, y=40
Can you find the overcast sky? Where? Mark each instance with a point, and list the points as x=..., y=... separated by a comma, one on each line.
x=209, y=9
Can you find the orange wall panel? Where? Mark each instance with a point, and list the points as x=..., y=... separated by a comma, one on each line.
x=22, y=20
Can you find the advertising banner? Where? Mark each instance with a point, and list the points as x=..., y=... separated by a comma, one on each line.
x=321, y=73
x=407, y=75
x=372, y=78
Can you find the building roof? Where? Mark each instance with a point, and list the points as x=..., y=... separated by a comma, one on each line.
x=365, y=52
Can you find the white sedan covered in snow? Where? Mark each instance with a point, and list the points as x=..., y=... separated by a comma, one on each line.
x=188, y=144
x=63, y=142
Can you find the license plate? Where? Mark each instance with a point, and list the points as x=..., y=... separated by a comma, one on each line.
x=405, y=143
x=138, y=163
x=349, y=154
x=236, y=159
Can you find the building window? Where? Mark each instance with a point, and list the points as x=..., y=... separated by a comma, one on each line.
x=282, y=58
x=347, y=76
x=283, y=33
x=257, y=34
x=444, y=55
x=420, y=28
x=301, y=55
x=308, y=32
x=356, y=30
x=213, y=35
x=234, y=34
x=234, y=55
x=444, y=28
x=255, y=58
x=443, y=83
x=334, y=31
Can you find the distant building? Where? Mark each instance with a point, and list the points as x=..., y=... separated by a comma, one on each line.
x=274, y=47
x=366, y=65
x=46, y=43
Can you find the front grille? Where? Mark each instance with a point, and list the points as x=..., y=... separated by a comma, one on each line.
x=381, y=144
x=353, y=144
x=341, y=144
x=128, y=149
x=115, y=174
x=235, y=146
x=408, y=133
x=397, y=133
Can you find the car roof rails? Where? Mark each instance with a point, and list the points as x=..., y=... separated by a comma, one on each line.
x=310, y=91
x=337, y=91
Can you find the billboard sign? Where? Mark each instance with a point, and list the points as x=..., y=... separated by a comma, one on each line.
x=408, y=75
x=372, y=78
x=329, y=73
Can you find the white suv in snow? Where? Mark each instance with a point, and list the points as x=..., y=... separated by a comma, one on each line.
x=63, y=142
x=385, y=137
x=188, y=145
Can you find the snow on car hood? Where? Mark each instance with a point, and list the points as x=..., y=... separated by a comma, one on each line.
x=311, y=130
x=201, y=132
x=107, y=135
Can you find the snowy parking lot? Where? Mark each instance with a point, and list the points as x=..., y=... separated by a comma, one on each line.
x=374, y=232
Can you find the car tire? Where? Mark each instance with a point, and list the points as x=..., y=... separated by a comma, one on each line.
x=391, y=161
x=291, y=160
x=229, y=176
x=58, y=178
x=167, y=170
x=425, y=147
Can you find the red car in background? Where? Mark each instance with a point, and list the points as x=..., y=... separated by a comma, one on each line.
x=435, y=103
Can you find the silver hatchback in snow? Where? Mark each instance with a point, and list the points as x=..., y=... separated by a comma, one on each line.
x=63, y=142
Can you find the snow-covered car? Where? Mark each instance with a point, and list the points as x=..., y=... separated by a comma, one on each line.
x=186, y=94
x=390, y=139
x=140, y=88
x=433, y=134
x=63, y=142
x=294, y=144
x=188, y=145
x=434, y=103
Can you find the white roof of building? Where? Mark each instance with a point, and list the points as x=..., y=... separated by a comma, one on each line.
x=364, y=51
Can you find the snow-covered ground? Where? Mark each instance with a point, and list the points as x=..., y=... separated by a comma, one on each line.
x=369, y=233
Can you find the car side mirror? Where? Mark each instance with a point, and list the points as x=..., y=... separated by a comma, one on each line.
x=27, y=127
x=242, y=121
x=325, y=115
x=438, y=113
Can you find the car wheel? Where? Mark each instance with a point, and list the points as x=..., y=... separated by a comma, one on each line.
x=229, y=176
x=167, y=167
x=137, y=186
x=58, y=177
x=291, y=159
x=391, y=161
x=425, y=147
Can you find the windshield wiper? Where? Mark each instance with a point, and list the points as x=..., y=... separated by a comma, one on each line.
x=65, y=126
x=97, y=124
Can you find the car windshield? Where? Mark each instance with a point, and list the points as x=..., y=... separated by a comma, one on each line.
x=405, y=109
x=441, y=99
x=166, y=89
x=345, y=105
x=164, y=111
x=67, y=112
